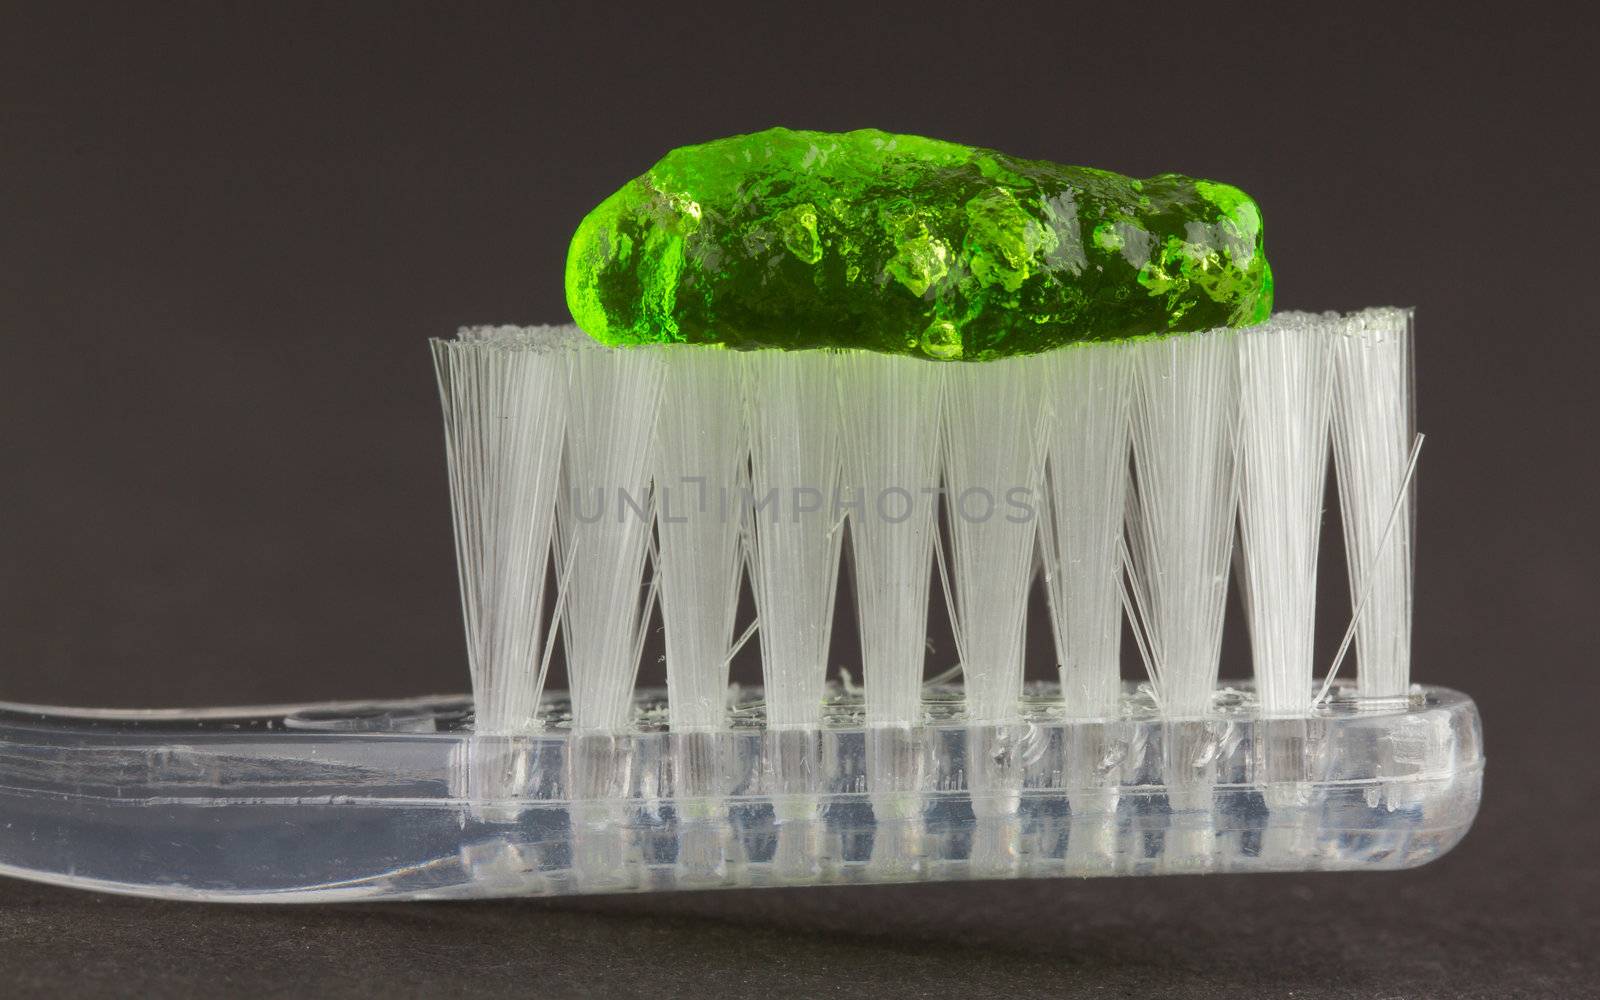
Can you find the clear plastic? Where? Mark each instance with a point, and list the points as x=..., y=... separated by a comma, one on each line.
x=404, y=801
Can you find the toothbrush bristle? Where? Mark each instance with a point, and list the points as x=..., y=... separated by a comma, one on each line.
x=1121, y=469
x=700, y=453
x=1285, y=382
x=504, y=395
x=794, y=531
x=604, y=527
x=1373, y=434
x=993, y=478
x=1181, y=509
x=890, y=415
x=1087, y=399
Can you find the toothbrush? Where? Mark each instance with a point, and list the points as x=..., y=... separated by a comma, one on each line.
x=916, y=371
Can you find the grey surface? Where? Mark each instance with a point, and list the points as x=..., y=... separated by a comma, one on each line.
x=223, y=239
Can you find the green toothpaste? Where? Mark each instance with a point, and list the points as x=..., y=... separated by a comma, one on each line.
x=905, y=245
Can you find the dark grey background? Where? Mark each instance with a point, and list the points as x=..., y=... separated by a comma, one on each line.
x=225, y=236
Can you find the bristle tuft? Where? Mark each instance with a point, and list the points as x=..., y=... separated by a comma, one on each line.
x=504, y=416
x=700, y=454
x=993, y=472
x=794, y=533
x=1373, y=435
x=890, y=406
x=1181, y=510
x=1285, y=380
x=604, y=527
x=1088, y=393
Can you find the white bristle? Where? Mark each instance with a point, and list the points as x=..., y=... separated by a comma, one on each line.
x=751, y=462
x=503, y=392
x=603, y=527
x=1373, y=435
x=792, y=414
x=700, y=450
x=1181, y=510
x=993, y=477
x=1088, y=390
x=890, y=408
x=1285, y=389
